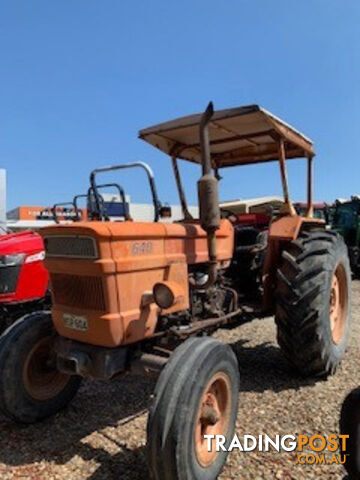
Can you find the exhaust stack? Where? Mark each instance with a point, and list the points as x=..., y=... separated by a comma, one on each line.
x=208, y=196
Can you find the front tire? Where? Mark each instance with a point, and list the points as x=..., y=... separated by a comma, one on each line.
x=196, y=394
x=31, y=388
x=313, y=302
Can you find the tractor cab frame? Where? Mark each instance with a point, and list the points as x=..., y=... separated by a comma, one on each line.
x=233, y=137
x=236, y=137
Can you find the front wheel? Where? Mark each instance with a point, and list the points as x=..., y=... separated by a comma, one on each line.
x=31, y=388
x=313, y=302
x=196, y=395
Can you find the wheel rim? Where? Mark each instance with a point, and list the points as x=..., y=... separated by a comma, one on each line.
x=338, y=304
x=213, y=416
x=42, y=380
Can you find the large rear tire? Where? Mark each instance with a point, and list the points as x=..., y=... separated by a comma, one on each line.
x=196, y=395
x=313, y=302
x=31, y=388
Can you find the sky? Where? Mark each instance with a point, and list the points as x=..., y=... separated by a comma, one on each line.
x=79, y=79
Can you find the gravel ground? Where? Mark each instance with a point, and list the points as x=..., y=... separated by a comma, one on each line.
x=101, y=436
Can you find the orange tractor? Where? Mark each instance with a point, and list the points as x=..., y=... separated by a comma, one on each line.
x=145, y=296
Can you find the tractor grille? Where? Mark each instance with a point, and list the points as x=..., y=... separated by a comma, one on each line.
x=9, y=278
x=77, y=291
x=71, y=246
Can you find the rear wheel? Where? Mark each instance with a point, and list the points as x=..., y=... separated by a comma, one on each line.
x=196, y=395
x=313, y=302
x=350, y=425
x=31, y=388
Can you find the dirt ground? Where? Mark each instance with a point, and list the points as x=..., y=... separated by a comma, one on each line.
x=101, y=435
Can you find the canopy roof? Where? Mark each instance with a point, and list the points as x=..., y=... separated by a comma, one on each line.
x=238, y=136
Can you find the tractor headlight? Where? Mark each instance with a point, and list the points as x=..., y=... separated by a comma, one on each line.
x=11, y=260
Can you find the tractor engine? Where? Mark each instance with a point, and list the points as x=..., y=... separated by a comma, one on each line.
x=213, y=303
x=216, y=301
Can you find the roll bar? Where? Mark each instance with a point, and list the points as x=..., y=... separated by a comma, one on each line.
x=62, y=204
x=100, y=213
x=150, y=175
x=77, y=197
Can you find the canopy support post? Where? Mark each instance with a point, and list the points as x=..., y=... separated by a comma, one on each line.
x=310, y=208
x=282, y=161
x=184, y=207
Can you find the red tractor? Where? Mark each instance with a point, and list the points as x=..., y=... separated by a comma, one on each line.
x=23, y=276
x=24, y=280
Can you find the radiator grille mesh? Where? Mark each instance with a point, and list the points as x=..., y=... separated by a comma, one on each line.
x=78, y=291
x=9, y=277
x=70, y=246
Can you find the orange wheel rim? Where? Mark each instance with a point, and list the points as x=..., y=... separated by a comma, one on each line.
x=338, y=304
x=213, y=416
x=42, y=380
